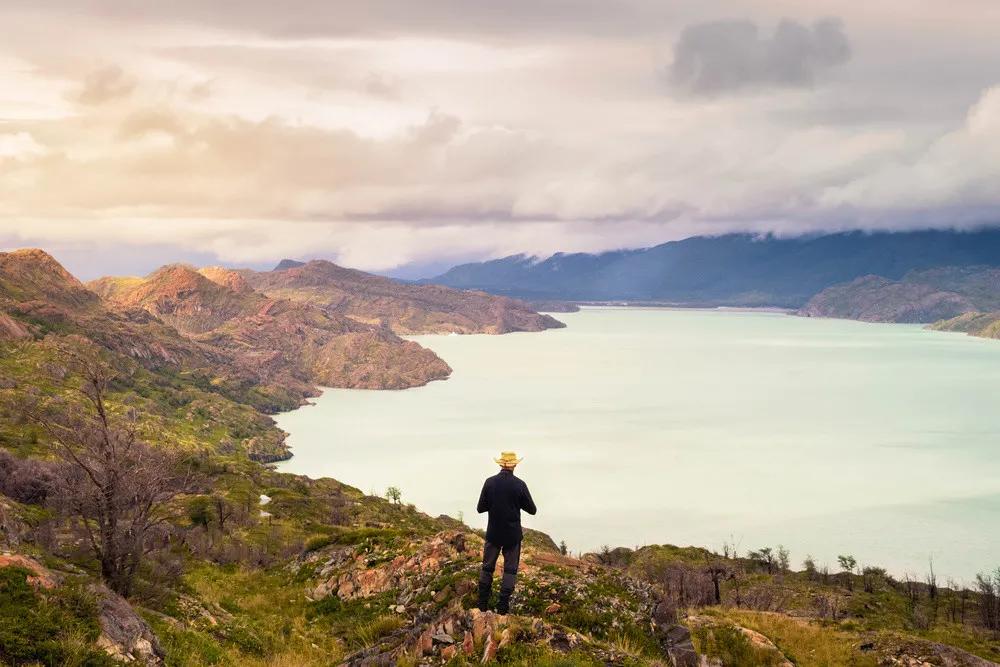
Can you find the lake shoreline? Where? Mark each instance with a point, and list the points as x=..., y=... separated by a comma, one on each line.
x=650, y=391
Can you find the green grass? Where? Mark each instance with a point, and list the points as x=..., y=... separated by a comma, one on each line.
x=56, y=627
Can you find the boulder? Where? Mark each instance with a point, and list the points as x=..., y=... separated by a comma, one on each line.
x=124, y=634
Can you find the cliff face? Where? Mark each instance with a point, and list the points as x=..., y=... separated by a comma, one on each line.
x=406, y=308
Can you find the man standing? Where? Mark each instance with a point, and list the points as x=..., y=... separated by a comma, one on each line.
x=503, y=496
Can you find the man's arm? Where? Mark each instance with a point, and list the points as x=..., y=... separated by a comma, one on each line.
x=484, y=499
x=527, y=504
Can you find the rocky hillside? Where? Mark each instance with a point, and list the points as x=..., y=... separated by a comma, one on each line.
x=406, y=308
x=278, y=336
x=877, y=299
x=928, y=295
x=35, y=280
x=325, y=575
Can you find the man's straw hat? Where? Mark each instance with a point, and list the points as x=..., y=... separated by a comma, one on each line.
x=508, y=459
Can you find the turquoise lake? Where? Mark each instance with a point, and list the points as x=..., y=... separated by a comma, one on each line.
x=643, y=426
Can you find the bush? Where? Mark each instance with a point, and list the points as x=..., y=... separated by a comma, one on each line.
x=317, y=542
x=27, y=481
x=199, y=511
x=732, y=647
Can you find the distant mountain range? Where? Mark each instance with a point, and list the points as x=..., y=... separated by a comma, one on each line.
x=733, y=270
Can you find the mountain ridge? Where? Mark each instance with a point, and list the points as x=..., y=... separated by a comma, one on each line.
x=403, y=307
x=728, y=270
x=276, y=335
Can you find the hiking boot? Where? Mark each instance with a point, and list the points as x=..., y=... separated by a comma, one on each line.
x=503, y=604
x=484, y=596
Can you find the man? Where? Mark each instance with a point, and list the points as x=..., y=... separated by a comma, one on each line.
x=503, y=496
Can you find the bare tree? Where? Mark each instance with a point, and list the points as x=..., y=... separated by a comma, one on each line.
x=223, y=511
x=783, y=558
x=111, y=482
x=931, y=579
x=718, y=570
x=765, y=557
x=988, y=586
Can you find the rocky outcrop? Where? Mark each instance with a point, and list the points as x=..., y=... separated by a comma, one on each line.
x=896, y=650
x=11, y=329
x=430, y=585
x=40, y=576
x=350, y=577
x=124, y=634
x=406, y=308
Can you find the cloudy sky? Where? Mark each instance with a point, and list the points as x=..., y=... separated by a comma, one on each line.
x=408, y=135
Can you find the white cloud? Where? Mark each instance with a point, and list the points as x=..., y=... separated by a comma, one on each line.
x=399, y=132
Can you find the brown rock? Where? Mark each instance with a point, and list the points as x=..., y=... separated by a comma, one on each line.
x=553, y=608
x=489, y=650
x=124, y=634
x=425, y=643
x=468, y=643
x=449, y=652
x=481, y=623
x=464, y=586
x=40, y=575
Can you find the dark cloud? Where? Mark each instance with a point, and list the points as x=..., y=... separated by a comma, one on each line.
x=724, y=56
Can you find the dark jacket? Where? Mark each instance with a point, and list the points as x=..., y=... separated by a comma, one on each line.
x=504, y=496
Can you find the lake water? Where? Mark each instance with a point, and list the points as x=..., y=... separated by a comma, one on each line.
x=694, y=427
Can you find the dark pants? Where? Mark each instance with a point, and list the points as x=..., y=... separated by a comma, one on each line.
x=511, y=559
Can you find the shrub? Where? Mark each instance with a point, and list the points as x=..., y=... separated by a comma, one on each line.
x=317, y=542
x=26, y=480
